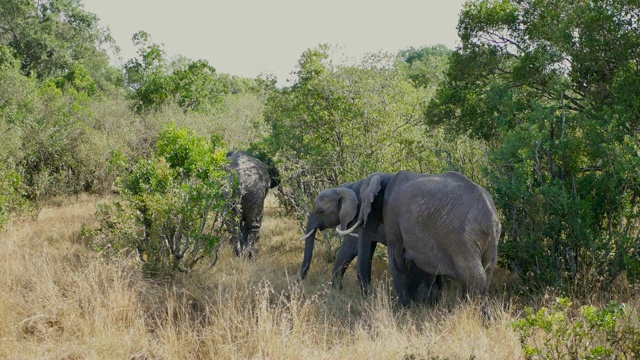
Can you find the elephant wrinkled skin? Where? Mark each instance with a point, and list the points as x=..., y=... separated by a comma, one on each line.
x=254, y=179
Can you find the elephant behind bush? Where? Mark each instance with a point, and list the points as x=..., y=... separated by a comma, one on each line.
x=254, y=180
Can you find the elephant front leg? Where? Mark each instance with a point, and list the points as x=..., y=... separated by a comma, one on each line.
x=399, y=272
x=366, y=248
x=346, y=254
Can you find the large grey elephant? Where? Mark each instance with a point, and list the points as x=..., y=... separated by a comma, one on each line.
x=342, y=206
x=446, y=224
x=254, y=180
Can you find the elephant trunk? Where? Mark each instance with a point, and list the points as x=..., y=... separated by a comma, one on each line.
x=310, y=239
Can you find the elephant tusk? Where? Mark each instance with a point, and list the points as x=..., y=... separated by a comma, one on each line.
x=308, y=234
x=351, y=234
x=351, y=229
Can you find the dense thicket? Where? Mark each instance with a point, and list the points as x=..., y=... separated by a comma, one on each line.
x=64, y=110
x=554, y=87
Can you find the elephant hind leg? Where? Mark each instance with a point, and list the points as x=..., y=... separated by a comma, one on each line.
x=473, y=277
x=399, y=272
x=252, y=234
x=251, y=223
x=490, y=261
x=422, y=286
x=476, y=285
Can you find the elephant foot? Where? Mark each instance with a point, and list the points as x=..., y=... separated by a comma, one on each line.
x=336, y=284
x=248, y=252
x=237, y=249
x=365, y=290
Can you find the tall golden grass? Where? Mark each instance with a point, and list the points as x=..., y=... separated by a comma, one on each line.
x=60, y=300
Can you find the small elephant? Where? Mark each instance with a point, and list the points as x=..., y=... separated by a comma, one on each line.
x=342, y=206
x=446, y=224
x=255, y=179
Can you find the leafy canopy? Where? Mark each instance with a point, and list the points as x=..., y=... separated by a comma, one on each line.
x=156, y=82
x=554, y=86
x=342, y=122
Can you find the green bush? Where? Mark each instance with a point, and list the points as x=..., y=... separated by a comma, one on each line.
x=11, y=198
x=172, y=208
x=567, y=332
x=340, y=123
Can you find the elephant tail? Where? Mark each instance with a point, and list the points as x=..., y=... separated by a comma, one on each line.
x=490, y=254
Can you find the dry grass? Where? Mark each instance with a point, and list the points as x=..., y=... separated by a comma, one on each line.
x=61, y=301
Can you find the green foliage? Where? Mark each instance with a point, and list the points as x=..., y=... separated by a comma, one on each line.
x=552, y=86
x=50, y=37
x=340, y=123
x=193, y=85
x=42, y=131
x=11, y=198
x=567, y=332
x=79, y=80
x=173, y=207
x=198, y=86
x=52, y=65
x=425, y=67
x=8, y=58
x=50, y=138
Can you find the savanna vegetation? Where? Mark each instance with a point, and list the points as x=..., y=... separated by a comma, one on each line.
x=113, y=192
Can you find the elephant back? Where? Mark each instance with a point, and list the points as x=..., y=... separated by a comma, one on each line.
x=251, y=172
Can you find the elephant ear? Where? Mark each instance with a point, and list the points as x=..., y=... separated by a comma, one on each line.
x=348, y=204
x=368, y=193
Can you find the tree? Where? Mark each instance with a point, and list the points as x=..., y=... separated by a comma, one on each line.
x=156, y=82
x=425, y=66
x=340, y=123
x=16, y=96
x=49, y=36
x=553, y=87
x=198, y=86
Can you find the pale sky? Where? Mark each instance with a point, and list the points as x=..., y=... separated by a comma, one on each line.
x=250, y=37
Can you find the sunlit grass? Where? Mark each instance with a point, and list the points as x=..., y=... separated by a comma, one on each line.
x=61, y=300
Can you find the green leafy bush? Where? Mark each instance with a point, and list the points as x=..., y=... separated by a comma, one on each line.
x=567, y=332
x=340, y=123
x=11, y=198
x=172, y=208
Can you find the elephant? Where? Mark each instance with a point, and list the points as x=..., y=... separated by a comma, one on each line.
x=341, y=206
x=445, y=224
x=254, y=180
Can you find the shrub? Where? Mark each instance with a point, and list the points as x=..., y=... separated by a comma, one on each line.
x=567, y=332
x=173, y=207
x=11, y=198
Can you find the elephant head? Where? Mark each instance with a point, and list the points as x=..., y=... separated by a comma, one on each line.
x=371, y=200
x=333, y=207
x=343, y=206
